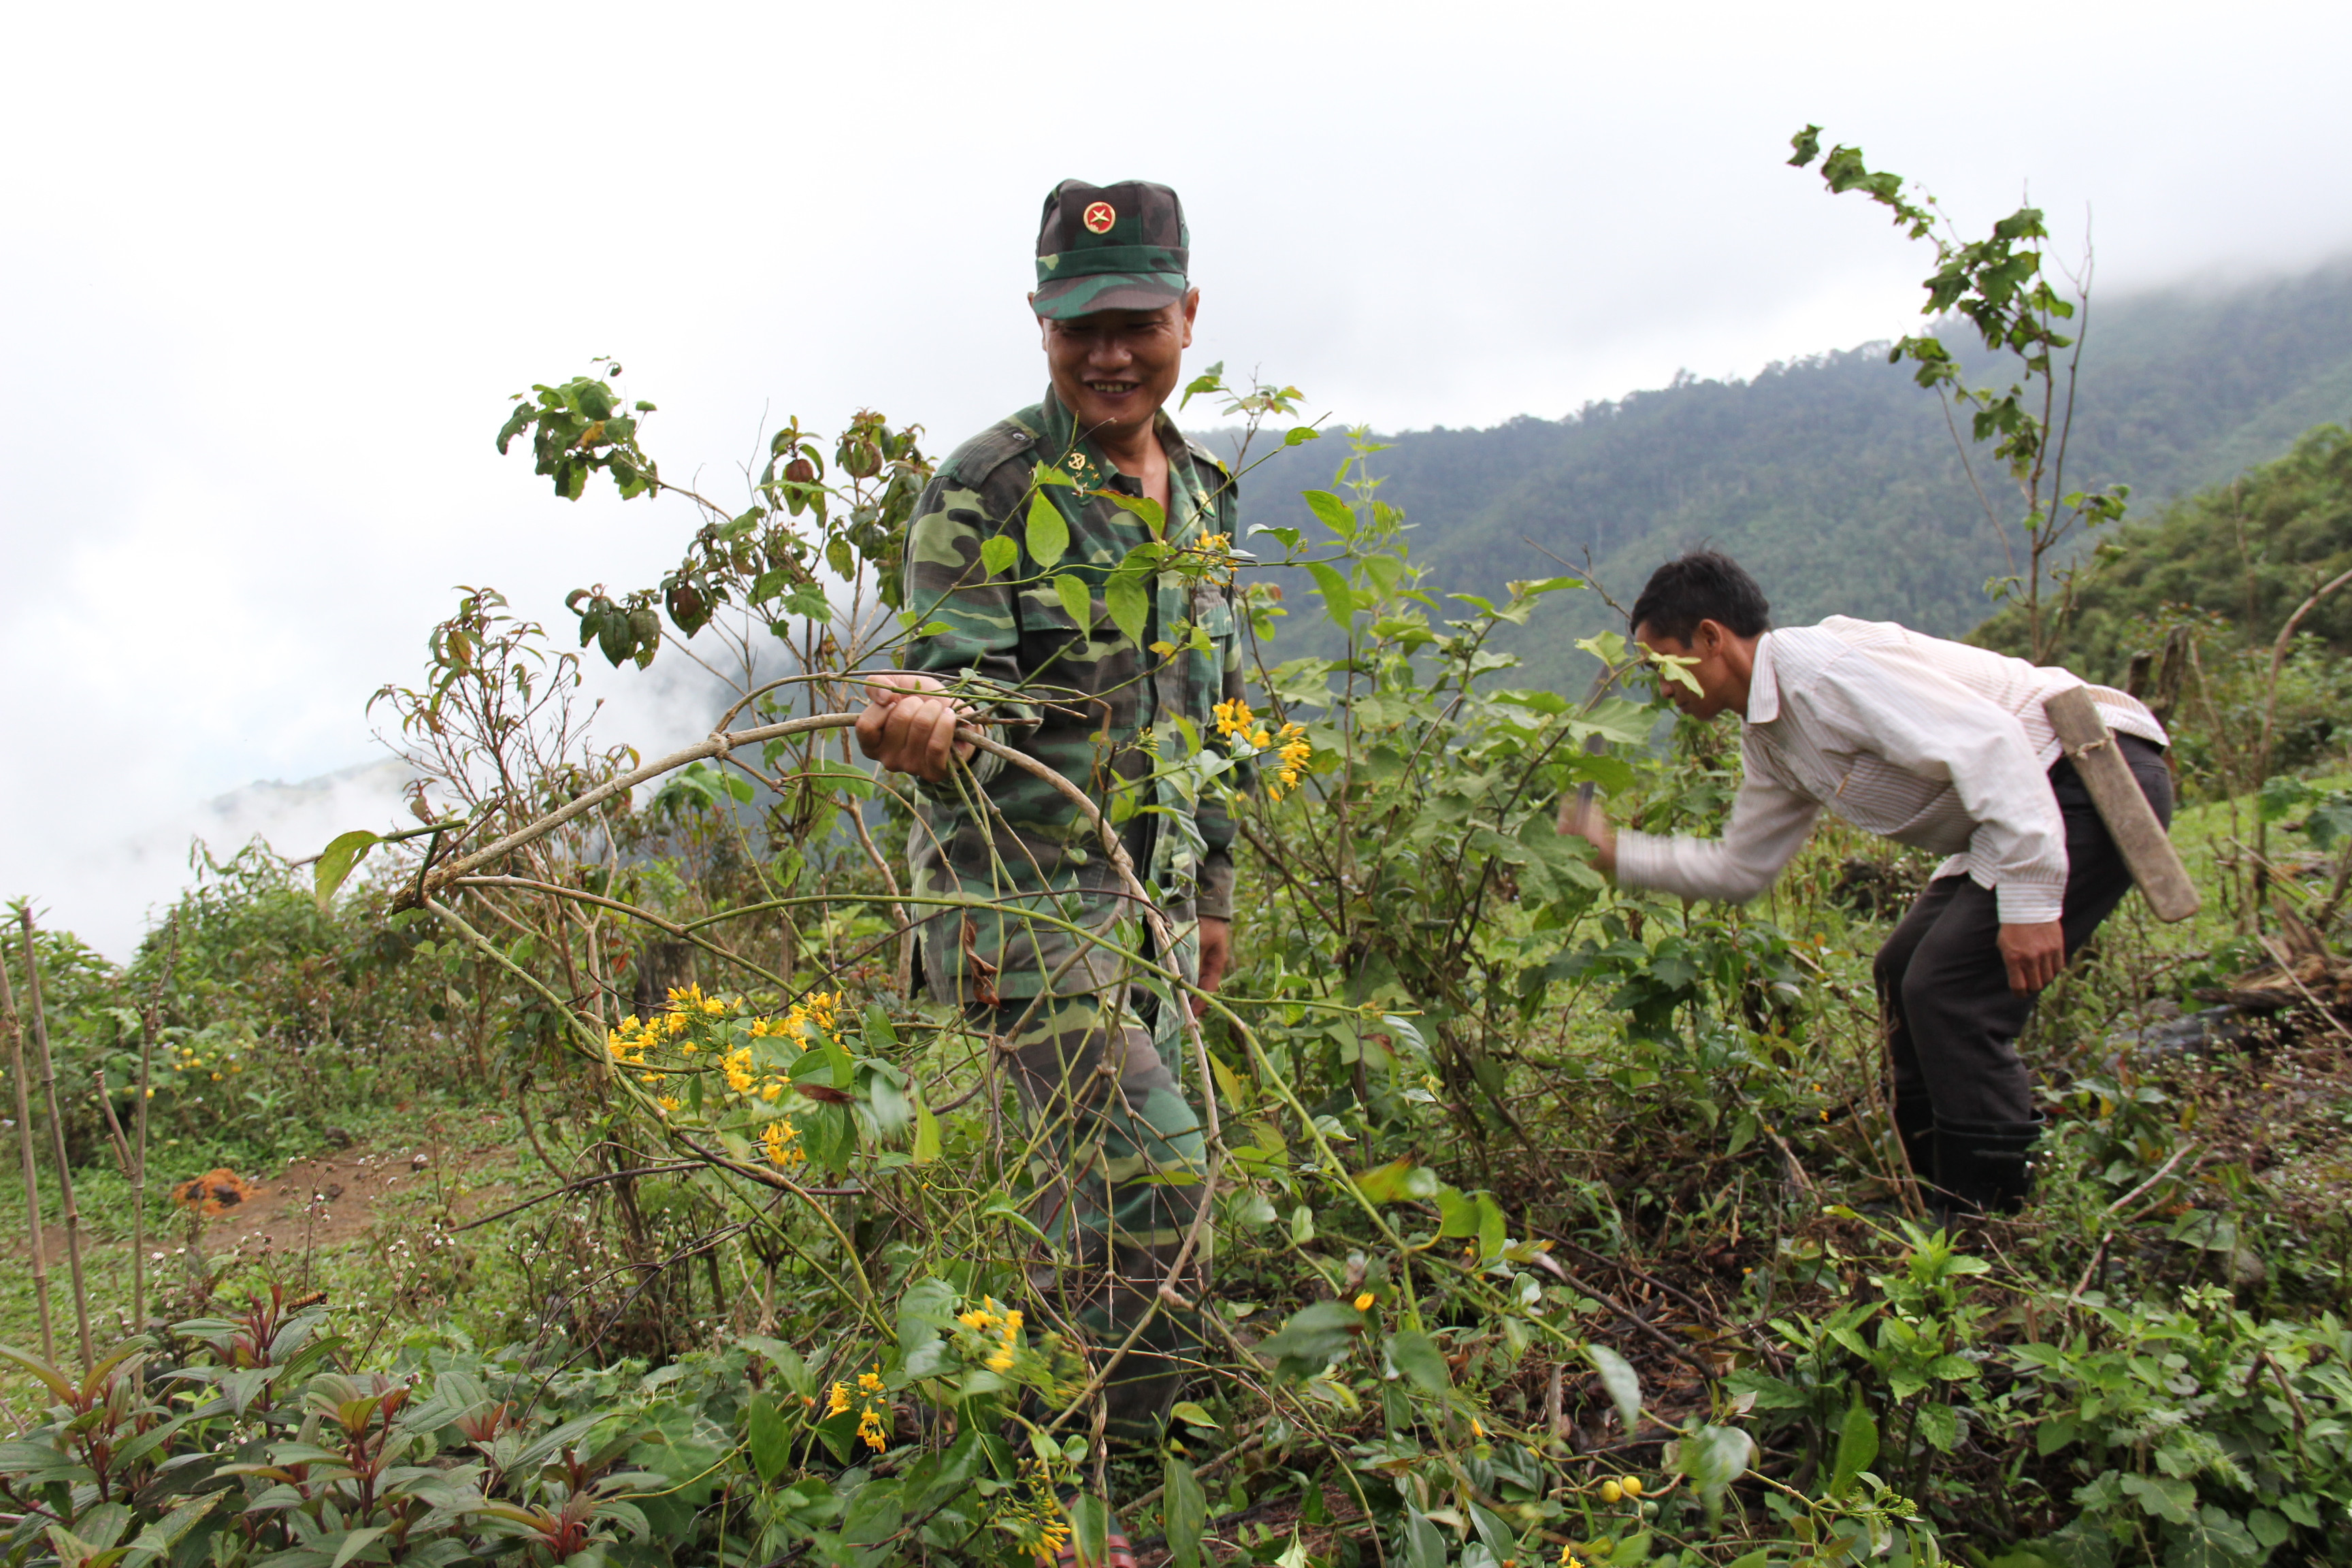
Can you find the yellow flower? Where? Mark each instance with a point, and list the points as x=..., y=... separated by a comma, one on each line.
x=1052, y=1536
x=1364, y=1303
x=837, y=1402
x=668, y=1102
x=1001, y=1362
x=1231, y=717
x=976, y=1319
x=869, y=1428
x=780, y=1140
x=770, y=1092
x=1012, y=1323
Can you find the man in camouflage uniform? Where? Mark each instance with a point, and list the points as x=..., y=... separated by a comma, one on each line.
x=1094, y=1043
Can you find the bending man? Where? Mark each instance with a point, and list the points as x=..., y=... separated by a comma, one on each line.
x=1934, y=744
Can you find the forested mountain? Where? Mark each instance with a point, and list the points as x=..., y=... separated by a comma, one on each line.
x=1834, y=478
x=2250, y=550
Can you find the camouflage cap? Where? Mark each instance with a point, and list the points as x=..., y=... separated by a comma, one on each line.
x=1109, y=247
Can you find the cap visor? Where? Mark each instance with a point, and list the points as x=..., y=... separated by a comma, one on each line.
x=1065, y=298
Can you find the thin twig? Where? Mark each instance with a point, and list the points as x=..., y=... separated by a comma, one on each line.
x=56, y=1132
x=16, y=1076
x=2162, y=1171
x=150, y=1023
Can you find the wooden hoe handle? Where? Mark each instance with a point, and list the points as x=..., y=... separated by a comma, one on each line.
x=2155, y=865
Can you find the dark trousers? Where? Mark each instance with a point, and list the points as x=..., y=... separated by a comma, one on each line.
x=1952, y=1021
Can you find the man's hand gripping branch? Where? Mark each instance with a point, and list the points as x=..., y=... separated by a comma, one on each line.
x=910, y=727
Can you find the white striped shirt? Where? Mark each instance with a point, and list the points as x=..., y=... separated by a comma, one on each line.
x=1931, y=744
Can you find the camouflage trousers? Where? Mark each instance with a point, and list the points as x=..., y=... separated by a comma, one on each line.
x=1117, y=1158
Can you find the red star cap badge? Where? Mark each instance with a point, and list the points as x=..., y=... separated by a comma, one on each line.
x=1099, y=217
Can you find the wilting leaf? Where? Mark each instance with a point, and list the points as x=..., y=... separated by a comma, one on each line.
x=338, y=860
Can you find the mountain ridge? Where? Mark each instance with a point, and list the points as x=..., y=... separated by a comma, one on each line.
x=1832, y=476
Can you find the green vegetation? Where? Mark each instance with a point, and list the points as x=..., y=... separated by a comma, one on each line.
x=2244, y=555
x=1836, y=479
x=1550, y=1223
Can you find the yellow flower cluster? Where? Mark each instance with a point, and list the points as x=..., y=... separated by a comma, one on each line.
x=1033, y=1514
x=780, y=1143
x=635, y=1036
x=1291, y=750
x=873, y=1427
x=674, y=1028
x=1235, y=722
x=988, y=1318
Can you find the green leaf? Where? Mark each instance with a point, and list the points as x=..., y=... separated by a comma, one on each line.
x=338, y=860
x=2214, y=1539
x=164, y=1534
x=1185, y=1513
x=1129, y=604
x=1940, y=1425
x=1192, y=1414
x=1622, y=1383
x=1047, y=534
x=1090, y=1526
x=785, y=1359
x=1714, y=1458
x=926, y=1135
x=1457, y=1213
x=2168, y=1499
x=1313, y=1336
x=1077, y=600
x=1144, y=507
x=356, y=1543
x=1331, y=512
x=1492, y=1236
x=1857, y=1445
x=998, y=554
x=1339, y=599
x=1301, y=433
x=1416, y=1356
x=1400, y=1180
x=769, y=1438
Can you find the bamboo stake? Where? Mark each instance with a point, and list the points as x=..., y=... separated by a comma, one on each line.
x=148, y=1023
x=56, y=1133
x=32, y=1173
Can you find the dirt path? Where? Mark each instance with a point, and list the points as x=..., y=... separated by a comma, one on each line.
x=324, y=1201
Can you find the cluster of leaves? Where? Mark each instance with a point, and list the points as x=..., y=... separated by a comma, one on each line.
x=1997, y=284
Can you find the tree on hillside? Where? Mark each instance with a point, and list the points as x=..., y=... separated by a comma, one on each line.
x=1998, y=286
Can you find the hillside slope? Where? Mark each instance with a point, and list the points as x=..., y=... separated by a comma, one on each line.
x=1834, y=478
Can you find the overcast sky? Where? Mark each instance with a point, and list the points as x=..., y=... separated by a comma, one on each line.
x=269, y=274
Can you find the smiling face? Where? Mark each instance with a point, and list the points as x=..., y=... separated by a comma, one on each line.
x=1113, y=369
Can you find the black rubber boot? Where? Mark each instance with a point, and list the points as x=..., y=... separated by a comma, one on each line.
x=1914, y=1123
x=1984, y=1167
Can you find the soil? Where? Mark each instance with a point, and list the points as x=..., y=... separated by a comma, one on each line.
x=329, y=1199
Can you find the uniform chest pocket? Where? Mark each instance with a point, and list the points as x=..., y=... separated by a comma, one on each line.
x=1212, y=611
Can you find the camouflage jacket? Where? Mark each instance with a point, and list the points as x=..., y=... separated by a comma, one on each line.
x=1087, y=702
